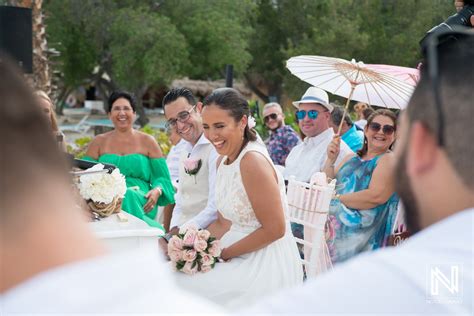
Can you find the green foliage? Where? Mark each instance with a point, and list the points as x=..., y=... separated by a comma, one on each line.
x=161, y=138
x=140, y=43
x=290, y=119
x=259, y=123
x=80, y=148
x=217, y=33
x=146, y=50
x=68, y=33
x=144, y=43
x=383, y=32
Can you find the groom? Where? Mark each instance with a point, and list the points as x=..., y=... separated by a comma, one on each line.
x=195, y=201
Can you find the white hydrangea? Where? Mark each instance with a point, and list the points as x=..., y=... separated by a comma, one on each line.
x=102, y=187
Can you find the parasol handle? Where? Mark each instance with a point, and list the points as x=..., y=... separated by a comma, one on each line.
x=345, y=109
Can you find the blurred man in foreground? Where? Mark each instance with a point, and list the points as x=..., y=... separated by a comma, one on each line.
x=51, y=262
x=432, y=272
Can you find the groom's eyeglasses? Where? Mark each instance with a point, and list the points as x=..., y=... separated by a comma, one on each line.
x=182, y=117
x=430, y=51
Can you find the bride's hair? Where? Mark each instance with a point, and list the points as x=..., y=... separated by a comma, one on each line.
x=232, y=101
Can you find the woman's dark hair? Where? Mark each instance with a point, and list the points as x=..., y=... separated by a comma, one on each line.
x=380, y=112
x=232, y=101
x=337, y=114
x=367, y=112
x=121, y=94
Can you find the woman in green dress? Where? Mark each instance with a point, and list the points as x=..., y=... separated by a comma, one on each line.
x=138, y=157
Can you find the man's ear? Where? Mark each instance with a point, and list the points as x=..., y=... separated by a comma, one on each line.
x=199, y=107
x=422, y=150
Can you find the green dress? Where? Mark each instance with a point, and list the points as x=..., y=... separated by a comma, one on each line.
x=142, y=174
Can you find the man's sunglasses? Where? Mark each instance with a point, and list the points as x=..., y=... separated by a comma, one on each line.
x=430, y=51
x=182, y=117
x=312, y=114
x=272, y=116
x=386, y=129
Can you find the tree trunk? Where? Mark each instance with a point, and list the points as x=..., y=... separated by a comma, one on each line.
x=255, y=89
x=142, y=118
x=42, y=70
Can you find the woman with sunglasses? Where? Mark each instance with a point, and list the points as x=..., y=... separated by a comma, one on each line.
x=362, y=212
x=138, y=157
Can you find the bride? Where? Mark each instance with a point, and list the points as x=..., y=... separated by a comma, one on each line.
x=259, y=251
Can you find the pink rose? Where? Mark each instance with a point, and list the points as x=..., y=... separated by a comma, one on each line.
x=190, y=164
x=205, y=269
x=215, y=249
x=207, y=260
x=189, y=227
x=175, y=243
x=204, y=234
x=189, y=238
x=175, y=255
x=188, y=269
x=189, y=255
x=200, y=244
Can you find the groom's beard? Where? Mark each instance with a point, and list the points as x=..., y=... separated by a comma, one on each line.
x=404, y=190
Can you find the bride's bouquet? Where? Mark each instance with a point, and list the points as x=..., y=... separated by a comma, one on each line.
x=103, y=191
x=193, y=250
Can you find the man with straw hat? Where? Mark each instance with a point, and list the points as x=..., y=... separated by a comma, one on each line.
x=310, y=156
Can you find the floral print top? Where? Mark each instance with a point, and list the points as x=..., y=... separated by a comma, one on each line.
x=280, y=143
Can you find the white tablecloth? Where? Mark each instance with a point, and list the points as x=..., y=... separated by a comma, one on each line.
x=129, y=235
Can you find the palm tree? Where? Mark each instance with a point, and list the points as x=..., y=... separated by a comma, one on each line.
x=41, y=66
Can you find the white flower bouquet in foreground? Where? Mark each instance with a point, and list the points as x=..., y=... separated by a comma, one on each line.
x=193, y=250
x=103, y=191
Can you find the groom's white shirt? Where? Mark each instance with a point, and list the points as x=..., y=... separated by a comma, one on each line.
x=207, y=215
x=129, y=283
x=395, y=280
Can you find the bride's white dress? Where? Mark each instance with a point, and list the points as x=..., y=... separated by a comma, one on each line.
x=250, y=277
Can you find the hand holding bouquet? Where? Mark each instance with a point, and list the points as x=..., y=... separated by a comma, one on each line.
x=193, y=250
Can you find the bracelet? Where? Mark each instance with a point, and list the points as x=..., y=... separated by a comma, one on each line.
x=337, y=196
x=159, y=190
x=167, y=237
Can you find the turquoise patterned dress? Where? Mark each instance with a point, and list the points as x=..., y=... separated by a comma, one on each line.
x=352, y=231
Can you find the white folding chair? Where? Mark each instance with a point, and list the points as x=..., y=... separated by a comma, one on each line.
x=309, y=206
x=81, y=127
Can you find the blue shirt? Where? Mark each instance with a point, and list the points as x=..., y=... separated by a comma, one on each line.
x=354, y=138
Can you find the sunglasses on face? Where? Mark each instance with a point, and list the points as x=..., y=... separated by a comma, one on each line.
x=386, y=129
x=312, y=114
x=182, y=117
x=272, y=116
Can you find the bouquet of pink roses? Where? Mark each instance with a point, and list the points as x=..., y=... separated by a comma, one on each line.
x=193, y=250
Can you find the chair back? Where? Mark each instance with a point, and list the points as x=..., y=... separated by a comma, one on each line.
x=309, y=206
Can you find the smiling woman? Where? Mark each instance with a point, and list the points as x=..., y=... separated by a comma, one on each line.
x=138, y=157
x=260, y=254
x=362, y=214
